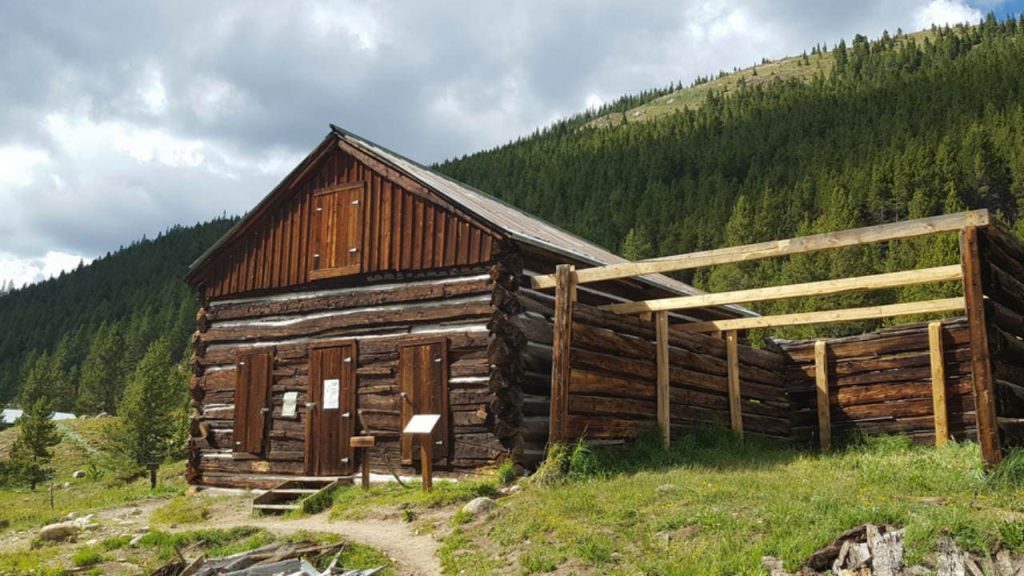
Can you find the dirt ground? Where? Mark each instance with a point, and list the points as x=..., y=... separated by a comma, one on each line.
x=414, y=554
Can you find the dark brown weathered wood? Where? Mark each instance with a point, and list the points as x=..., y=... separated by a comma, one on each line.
x=561, y=350
x=988, y=429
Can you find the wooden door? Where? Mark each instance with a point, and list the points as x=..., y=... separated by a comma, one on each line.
x=337, y=231
x=330, y=413
x=423, y=373
x=253, y=379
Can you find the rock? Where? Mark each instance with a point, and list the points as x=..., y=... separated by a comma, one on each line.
x=58, y=532
x=951, y=560
x=479, y=505
x=92, y=542
x=136, y=540
x=774, y=565
x=84, y=522
x=78, y=474
x=509, y=490
x=135, y=511
x=70, y=516
x=917, y=571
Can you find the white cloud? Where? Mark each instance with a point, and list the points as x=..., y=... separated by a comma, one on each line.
x=30, y=270
x=943, y=12
x=18, y=165
x=592, y=102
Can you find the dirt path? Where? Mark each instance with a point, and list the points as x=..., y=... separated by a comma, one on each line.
x=414, y=554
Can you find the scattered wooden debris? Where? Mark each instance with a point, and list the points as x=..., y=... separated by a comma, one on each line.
x=871, y=550
x=288, y=559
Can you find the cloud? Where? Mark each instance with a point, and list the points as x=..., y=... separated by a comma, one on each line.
x=122, y=118
x=946, y=12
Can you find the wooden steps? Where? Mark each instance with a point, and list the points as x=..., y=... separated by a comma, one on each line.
x=305, y=494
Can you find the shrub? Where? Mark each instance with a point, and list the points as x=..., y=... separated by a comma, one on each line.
x=87, y=556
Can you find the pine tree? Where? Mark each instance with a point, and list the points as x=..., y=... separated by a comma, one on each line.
x=637, y=244
x=30, y=454
x=151, y=416
x=102, y=381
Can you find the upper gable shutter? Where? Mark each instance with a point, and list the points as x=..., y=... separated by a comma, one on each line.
x=337, y=232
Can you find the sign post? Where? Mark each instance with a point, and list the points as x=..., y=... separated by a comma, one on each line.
x=362, y=443
x=422, y=426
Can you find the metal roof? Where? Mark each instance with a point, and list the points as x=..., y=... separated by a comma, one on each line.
x=520, y=225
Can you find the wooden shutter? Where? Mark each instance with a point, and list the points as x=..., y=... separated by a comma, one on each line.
x=252, y=401
x=337, y=232
x=423, y=372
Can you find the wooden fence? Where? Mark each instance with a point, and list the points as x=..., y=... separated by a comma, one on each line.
x=615, y=371
x=614, y=379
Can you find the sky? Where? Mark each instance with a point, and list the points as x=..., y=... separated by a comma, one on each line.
x=121, y=119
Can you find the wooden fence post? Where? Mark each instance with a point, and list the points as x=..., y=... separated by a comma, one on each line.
x=562, y=343
x=981, y=367
x=821, y=379
x=733, y=362
x=664, y=396
x=938, y=383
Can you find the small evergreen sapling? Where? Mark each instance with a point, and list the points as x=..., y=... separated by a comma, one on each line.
x=30, y=454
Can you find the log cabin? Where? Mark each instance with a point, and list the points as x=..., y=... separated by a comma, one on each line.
x=366, y=288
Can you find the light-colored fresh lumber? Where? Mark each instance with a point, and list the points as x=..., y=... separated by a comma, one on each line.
x=733, y=364
x=821, y=382
x=664, y=398
x=801, y=245
x=938, y=383
x=826, y=316
x=820, y=288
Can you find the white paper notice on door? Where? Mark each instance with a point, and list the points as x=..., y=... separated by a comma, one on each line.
x=331, y=393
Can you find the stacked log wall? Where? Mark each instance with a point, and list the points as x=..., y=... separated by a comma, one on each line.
x=379, y=318
x=1002, y=265
x=613, y=380
x=880, y=383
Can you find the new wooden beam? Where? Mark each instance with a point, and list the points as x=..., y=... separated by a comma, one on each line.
x=938, y=383
x=664, y=397
x=733, y=364
x=821, y=288
x=801, y=245
x=981, y=366
x=560, y=351
x=828, y=316
x=821, y=382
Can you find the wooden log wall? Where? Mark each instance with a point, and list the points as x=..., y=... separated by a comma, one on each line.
x=379, y=317
x=613, y=380
x=1002, y=265
x=880, y=383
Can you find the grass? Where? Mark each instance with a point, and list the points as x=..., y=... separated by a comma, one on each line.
x=714, y=505
x=354, y=503
x=24, y=508
x=182, y=510
x=789, y=69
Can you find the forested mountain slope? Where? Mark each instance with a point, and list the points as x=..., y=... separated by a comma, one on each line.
x=87, y=328
x=901, y=127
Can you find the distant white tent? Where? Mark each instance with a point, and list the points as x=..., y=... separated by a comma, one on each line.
x=11, y=415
